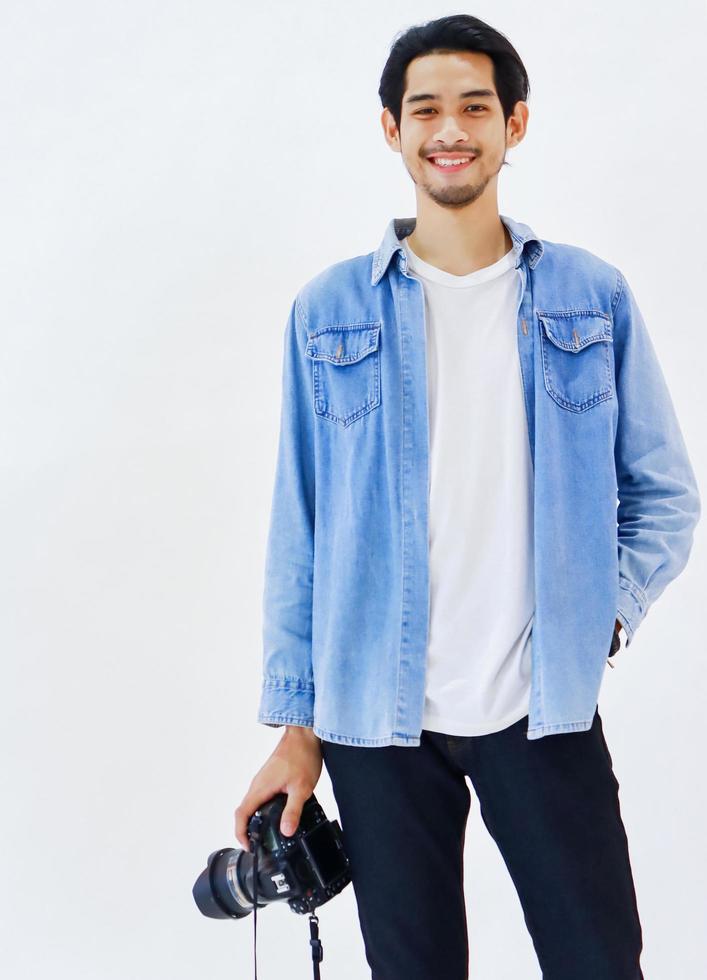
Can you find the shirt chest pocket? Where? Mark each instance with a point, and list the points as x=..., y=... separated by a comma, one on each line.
x=346, y=370
x=577, y=353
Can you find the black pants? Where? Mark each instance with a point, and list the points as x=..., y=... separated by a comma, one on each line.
x=551, y=805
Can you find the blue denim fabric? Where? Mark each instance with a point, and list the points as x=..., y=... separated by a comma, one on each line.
x=346, y=595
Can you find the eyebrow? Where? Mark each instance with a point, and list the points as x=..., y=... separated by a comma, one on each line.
x=475, y=93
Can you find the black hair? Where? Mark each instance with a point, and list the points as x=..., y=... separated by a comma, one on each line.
x=457, y=32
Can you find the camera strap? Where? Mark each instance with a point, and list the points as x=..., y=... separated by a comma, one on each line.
x=315, y=943
x=314, y=940
x=254, y=850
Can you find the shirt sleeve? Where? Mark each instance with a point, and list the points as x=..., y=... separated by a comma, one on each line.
x=659, y=501
x=287, y=695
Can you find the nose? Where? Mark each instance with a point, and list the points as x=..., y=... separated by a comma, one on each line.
x=450, y=132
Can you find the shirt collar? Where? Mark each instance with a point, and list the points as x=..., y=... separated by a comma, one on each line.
x=522, y=236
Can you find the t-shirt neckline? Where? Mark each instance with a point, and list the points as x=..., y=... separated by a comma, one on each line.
x=434, y=274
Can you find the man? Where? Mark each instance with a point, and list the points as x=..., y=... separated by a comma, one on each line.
x=460, y=410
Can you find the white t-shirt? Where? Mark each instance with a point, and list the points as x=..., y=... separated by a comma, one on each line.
x=482, y=594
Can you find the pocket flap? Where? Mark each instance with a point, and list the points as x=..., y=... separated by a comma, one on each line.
x=343, y=343
x=574, y=331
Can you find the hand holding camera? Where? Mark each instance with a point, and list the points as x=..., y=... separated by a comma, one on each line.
x=293, y=768
x=290, y=851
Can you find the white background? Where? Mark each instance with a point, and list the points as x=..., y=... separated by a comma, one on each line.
x=172, y=173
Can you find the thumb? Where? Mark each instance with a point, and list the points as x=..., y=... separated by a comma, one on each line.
x=291, y=815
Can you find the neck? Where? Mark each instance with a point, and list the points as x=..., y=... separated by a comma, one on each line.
x=459, y=241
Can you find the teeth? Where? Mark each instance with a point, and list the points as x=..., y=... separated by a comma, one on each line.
x=450, y=163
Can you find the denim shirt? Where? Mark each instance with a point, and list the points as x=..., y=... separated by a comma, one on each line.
x=346, y=594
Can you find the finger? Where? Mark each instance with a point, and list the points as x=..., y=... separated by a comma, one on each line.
x=245, y=811
x=292, y=813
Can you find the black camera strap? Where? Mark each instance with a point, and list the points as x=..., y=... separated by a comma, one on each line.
x=254, y=840
x=314, y=940
x=315, y=943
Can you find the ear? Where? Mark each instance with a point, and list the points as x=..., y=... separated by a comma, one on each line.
x=517, y=124
x=390, y=130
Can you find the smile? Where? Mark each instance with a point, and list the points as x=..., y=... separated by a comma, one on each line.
x=451, y=166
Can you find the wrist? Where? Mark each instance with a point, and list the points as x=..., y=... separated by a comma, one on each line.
x=302, y=732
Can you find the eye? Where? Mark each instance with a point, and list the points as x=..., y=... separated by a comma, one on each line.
x=430, y=109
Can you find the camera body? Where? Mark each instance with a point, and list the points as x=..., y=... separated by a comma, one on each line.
x=305, y=869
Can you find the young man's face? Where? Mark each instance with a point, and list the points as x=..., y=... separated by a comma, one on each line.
x=445, y=125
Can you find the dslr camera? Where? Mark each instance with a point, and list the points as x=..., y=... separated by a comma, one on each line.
x=305, y=869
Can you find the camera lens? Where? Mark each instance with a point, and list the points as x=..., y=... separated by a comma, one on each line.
x=222, y=889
